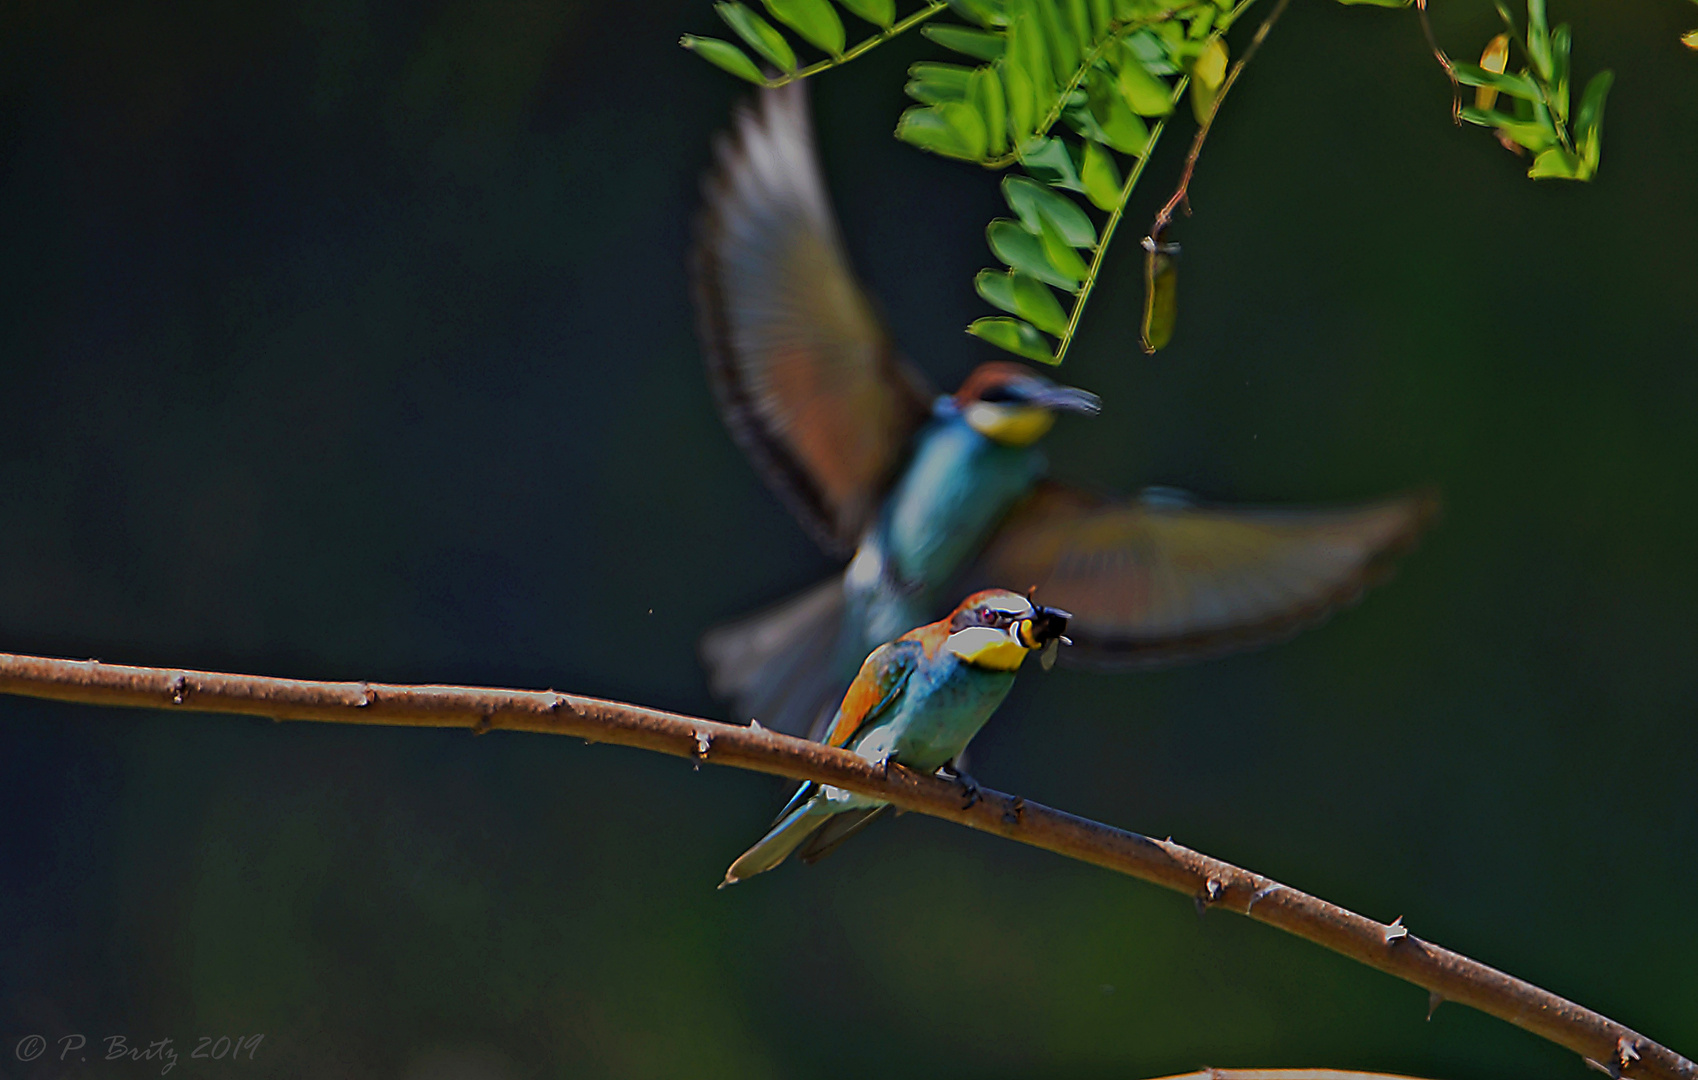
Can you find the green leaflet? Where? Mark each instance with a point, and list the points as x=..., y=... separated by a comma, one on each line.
x=984, y=94
x=880, y=13
x=1061, y=254
x=1119, y=125
x=815, y=20
x=931, y=83
x=1589, y=121
x=1022, y=295
x=1145, y=94
x=1013, y=335
x=1100, y=177
x=979, y=44
x=1034, y=302
x=1020, y=97
x=724, y=55
x=983, y=12
x=950, y=128
x=996, y=287
x=1035, y=204
x=1514, y=85
x=761, y=35
x=1027, y=253
x=1049, y=161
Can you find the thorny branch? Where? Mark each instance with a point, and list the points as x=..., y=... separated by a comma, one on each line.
x=1391, y=948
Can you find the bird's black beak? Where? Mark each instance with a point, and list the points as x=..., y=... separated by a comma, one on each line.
x=1044, y=625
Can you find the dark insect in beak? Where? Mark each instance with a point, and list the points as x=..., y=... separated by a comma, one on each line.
x=1048, y=624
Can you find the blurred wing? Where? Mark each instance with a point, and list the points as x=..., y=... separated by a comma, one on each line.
x=1162, y=580
x=805, y=375
x=880, y=680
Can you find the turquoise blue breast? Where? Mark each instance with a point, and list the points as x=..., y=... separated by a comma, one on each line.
x=942, y=707
x=959, y=486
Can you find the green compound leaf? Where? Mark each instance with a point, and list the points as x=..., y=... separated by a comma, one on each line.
x=1034, y=204
x=815, y=20
x=761, y=35
x=979, y=44
x=724, y=55
x=1027, y=253
x=881, y=13
x=1013, y=335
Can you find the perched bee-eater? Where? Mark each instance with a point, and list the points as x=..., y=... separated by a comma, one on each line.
x=917, y=701
x=927, y=495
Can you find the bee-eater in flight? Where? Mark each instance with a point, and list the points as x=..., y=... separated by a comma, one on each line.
x=926, y=496
x=917, y=702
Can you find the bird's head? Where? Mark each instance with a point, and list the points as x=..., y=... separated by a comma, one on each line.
x=997, y=628
x=1016, y=406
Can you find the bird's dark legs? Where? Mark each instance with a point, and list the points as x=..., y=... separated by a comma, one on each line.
x=969, y=786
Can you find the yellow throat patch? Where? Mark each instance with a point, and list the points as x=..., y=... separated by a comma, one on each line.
x=987, y=647
x=1010, y=425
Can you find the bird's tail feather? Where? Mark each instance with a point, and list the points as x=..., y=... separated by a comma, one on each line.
x=783, y=666
x=783, y=838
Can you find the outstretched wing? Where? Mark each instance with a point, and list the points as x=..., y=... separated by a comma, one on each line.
x=1161, y=579
x=805, y=374
x=882, y=676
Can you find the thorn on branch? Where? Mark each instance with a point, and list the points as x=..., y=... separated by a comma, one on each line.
x=1015, y=813
x=1434, y=1000
x=485, y=722
x=1396, y=931
x=704, y=743
x=366, y=696
x=1590, y=1064
x=1262, y=894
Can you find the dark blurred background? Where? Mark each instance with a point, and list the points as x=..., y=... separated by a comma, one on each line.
x=352, y=341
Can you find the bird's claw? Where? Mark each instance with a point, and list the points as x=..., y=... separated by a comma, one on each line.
x=969, y=786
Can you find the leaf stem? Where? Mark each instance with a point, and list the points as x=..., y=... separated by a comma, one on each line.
x=897, y=28
x=1114, y=34
x=1083, y=296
